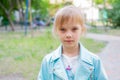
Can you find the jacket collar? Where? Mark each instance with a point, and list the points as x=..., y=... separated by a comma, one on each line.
x=84, y=54
x=85, y=66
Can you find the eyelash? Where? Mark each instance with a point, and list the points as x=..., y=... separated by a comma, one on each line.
x=62, y=29
x=74, y=29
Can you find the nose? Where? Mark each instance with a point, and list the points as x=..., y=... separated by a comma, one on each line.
x=68, y=35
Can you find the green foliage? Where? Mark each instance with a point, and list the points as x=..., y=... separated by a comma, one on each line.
x=112, y=1
x=7, y=7
x=105, y=1
x=114, y=14
x=41, y=7
x=98, y=1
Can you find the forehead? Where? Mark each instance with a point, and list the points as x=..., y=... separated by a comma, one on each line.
x=68, y=21
x=68, y=16
x=70, y=25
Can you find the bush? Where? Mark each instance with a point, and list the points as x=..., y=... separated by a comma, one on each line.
x=114, y=14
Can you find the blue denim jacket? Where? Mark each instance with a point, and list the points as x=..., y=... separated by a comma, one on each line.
x=90, y=67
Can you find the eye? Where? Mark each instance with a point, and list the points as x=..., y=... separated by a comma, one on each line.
x=75, y=28
x=62, y=29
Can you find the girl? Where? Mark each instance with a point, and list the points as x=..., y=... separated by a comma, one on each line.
x=71, y=61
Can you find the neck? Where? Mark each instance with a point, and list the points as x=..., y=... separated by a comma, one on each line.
x=71, y=51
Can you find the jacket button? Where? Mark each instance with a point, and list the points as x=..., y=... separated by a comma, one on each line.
x=90, y=68
x=53, y=70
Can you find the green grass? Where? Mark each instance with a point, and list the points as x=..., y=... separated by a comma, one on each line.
x=115, y=32
x=20, y=54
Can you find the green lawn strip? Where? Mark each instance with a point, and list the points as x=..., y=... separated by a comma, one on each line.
x=114, y=32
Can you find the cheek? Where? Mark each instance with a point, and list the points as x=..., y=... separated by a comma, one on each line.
x=77, y=35
x=60, y=36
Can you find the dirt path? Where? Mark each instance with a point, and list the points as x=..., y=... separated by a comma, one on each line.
x=110, y=54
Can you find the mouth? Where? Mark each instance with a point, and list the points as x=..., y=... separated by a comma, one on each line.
x=68, y=41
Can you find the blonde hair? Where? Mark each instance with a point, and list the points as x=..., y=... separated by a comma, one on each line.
x=68, y=14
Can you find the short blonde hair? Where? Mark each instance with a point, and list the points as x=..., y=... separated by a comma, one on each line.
x=68, y=14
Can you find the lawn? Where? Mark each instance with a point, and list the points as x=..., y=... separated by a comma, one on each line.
x=114, y=32
x=23, y=54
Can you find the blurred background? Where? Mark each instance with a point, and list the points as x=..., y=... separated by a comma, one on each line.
x=26, y=34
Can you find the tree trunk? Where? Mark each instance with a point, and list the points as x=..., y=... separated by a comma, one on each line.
x=11, y=23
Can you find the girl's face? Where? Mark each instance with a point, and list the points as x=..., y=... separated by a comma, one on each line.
x=69, y=35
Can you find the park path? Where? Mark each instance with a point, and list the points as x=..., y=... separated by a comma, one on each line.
x=110, y=54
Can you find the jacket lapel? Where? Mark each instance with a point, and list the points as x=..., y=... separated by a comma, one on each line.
x=58, y=67
x=59, y=70
x=83, y=72
x=85, y=67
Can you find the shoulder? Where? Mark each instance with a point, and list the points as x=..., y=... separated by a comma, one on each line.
x=48, y=57
x=46, y=68
x=56, y=54
x=52, y=55
x=88, y=56
x=96, y=61
x=94, y=56
x=99, y=70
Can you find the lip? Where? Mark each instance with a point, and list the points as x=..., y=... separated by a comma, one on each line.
x=68, y=40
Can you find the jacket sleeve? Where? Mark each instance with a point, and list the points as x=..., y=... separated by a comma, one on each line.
x=100, y=73
x=43, y=74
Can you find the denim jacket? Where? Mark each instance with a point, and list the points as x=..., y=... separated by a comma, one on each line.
x=89, y=67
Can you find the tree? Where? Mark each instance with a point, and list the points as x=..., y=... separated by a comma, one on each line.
x=98, y=1
x=7, y=8
x=114, y=13
x=41, y=6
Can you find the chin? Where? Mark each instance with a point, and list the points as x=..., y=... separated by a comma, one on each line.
x=69, y=45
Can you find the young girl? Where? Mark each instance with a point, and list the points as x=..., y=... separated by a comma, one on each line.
x=71, y=61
